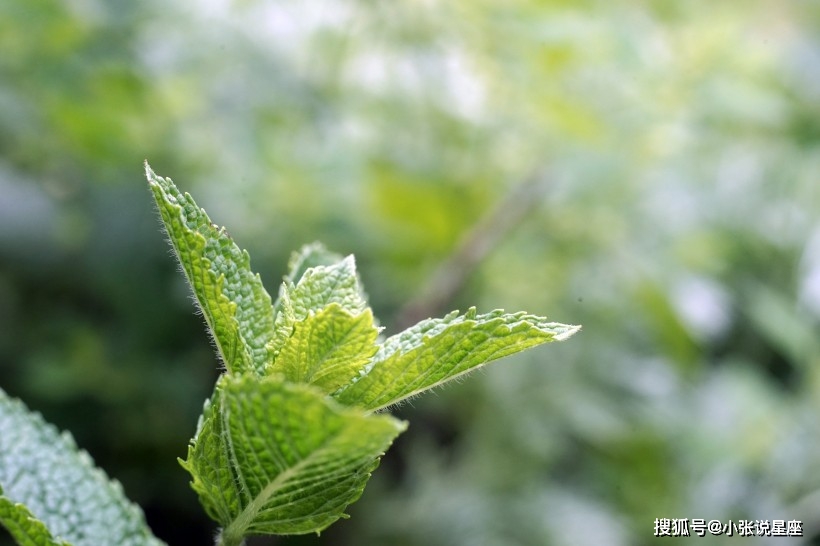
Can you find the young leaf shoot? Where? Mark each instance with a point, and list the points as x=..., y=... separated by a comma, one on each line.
x=293, y=429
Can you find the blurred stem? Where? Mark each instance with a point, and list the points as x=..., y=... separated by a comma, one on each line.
x=474, y=247
x=224, y=539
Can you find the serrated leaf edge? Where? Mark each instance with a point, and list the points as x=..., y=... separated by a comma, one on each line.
x=84, y=459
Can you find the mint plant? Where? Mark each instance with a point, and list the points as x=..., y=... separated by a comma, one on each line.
x=297, y=422
x=51, y=494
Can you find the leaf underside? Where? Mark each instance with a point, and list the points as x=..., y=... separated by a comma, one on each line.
x=51, y=493
x=23, y=526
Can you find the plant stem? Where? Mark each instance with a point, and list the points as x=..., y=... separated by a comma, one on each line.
x=227, y=540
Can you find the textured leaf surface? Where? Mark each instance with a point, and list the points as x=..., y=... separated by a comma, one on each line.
x=53, y=494
x=309, y=256
x=26, y=529
x=279, y=449
x=321, y=285
x=272, y=457
x=236, y=306
x=437, y=350
x=317, y=287
x=328, y=348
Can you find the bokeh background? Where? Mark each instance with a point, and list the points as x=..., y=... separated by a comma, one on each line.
x=650, y=170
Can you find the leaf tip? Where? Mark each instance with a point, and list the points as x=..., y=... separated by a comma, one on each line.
x=569, y=331
x=149, y=172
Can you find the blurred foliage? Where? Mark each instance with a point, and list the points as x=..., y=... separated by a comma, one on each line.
x=677, y=148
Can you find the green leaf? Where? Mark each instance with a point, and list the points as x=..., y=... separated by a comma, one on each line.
x=51, y=493
x=328, y=348
x=438, y=350
x=321, y=285
x=26, y=529
x=309, y=256
x=317, y=287
x=272, y=457
x=275, y=452
x=312, y=255
x=236, y=306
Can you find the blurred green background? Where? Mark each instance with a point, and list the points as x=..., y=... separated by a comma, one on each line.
x=650, y=170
